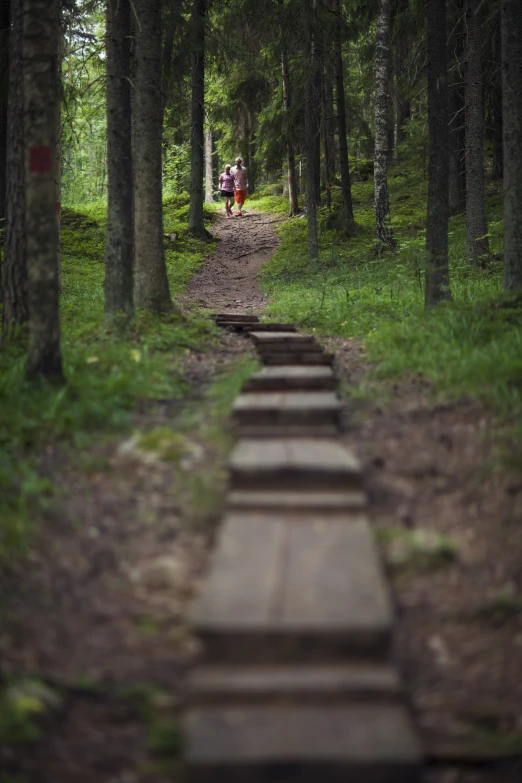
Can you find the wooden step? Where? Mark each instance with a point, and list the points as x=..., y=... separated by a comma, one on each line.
x=237, y=317
x=361, y=743
x=304, y=501
x=291, y=377
x=252, y=326
x=266, y=409
x=280, y=358
x=293, y=464
x=293, y=589
x=254, y=685
x=271, y=338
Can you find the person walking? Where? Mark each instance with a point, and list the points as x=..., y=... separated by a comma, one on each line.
x=239, y=173
x=226, y=187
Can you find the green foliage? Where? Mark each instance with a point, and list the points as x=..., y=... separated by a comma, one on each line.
x=106, y=372
x=472, y=345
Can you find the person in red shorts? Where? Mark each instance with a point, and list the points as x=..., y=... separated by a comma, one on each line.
x=239, y=173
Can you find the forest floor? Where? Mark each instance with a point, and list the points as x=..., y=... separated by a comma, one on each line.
x=94, y=628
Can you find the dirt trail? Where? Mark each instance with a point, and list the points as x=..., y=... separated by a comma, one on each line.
x=96, y=616
x=228, y=280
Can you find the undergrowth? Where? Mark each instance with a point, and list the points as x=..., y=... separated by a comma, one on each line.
x=472, y=345
x=106, y=372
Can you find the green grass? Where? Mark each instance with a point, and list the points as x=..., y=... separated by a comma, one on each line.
x=106, y=372
x=472, y=345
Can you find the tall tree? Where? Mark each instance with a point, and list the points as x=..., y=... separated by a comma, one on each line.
x=119, y=243
x=197, y=27
x=209, y=176
x=477, y=243
x=497, y=169
x=380, y=176
x=290, y=155
x=41, y=132
x=16, y=307
x=152, y=287
x=344, y=166
x=512, y=115
x=457, y=125
x=5, y=24
x=311, y=124
x=437, y=267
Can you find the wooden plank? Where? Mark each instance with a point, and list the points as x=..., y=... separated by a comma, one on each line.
x=292, y=464
x=313, y=409
x=304, y=501
x=293, y=684
x=361, y=742
x=238, y=317
x=297, y=358
x=270, y=598
x=291, y=377
x=311, y=430
x=267, y=338
x=241, y=589
x=334, y=585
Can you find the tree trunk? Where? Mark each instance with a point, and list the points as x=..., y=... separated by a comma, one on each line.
x=497, y=170
x=196, y=225
x=477, y=244
x=152, y=286
x=326, y=141
x=209, y=184
x=457, y=123
x=16, y=308
x=344, y=165
x=5, y=23
x=391, y=112
x=292, y=182
x=311, y=103
x=119, y=244
x=330, y=118
x=40, y=114
x=380, y=168
x=58, y=122
x=512, y=111
x=437, y=267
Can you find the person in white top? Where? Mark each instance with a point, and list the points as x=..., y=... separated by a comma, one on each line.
x=239, y=173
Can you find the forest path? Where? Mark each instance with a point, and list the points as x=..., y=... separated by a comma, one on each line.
x=228, y=280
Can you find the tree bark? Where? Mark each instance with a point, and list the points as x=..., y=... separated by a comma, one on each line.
x=311, y=103
x=477, y=243
x=58, y=123
x=292, y=182
x=457, y=123
x=196, y=224
x=497, y=171
x=40, y=114
x=380, y=168
x=119, y=303
x=326, y=140
x=344, y=165
x=5, y=23
x=209, y=184
x=152, y=286
x=512, y=137
x=437, y=267
x=16, y=307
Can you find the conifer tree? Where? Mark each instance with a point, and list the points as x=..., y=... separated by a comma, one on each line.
x=41, y=132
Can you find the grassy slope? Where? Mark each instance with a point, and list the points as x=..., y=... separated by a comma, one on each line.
x=105, y=372
x=471, y=346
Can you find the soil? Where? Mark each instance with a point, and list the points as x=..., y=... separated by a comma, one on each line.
x=97, y=612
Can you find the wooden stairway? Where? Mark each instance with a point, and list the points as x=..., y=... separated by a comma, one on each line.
x=295, y=683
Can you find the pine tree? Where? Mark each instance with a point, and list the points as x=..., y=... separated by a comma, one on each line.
x=196, y=225
x=16, y=307
x=41, y=133
x=437, y=268
x=344, y=164
x=119, y=300
x=311, y=124
x=152, y=287
x=512, y=138
x=477, y=243
x=380, y=176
